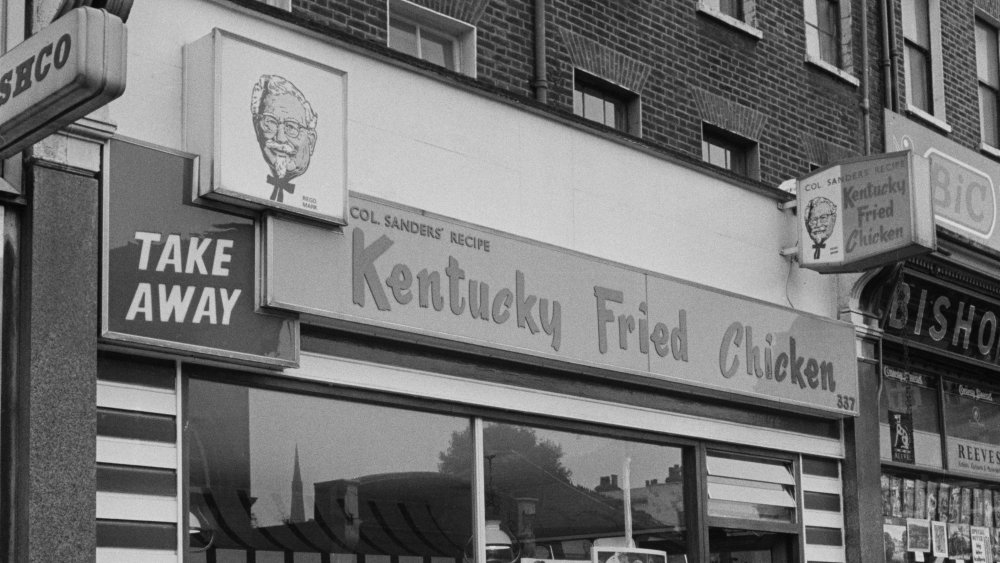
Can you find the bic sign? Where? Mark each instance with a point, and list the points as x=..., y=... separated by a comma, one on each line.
x=62, y=73
x=963, y=196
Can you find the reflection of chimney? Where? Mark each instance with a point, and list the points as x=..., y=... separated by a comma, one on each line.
x=675, y=474
x=614, y=481
x=298, y=512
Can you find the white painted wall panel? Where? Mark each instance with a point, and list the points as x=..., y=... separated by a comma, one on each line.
x=428, y=144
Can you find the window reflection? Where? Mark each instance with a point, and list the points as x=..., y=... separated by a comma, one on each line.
x=557, y=494
x=279, y=476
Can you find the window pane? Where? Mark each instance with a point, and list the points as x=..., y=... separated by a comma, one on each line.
x=403, y=37
x=987, y=54
x=280, y=473
x=918, y=79
x=557, y=494
x=916, y=22
x=733, y=8
x=746, y=546
x=593, y=107
x=437, y=49
x=829, y=31
x=972, y=415
x=915, y=396
x=988, y=116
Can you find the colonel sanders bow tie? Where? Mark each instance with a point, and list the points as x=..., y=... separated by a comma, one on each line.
x=281, y=186
x=817, y=246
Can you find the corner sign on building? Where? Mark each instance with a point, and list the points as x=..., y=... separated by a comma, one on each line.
x=62, y=73
x=865, y=213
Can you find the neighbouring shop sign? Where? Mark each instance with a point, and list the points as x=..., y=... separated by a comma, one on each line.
x=866, y=212
x=963, y=182
x=972, y=423
x=178, y=276
x=937, y=316
x=60, y=74
x=404, y=269
x=270, y=127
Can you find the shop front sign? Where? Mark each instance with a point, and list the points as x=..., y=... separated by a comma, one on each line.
x=269, y=126
x=866, y=212
x=178, y=276
x=60, y=74
x=963, y=182
x=936, y=316
x=445, y=281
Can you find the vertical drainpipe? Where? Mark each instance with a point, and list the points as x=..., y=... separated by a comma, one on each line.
x=541, y=82
x=866, y=108
x=888, y=58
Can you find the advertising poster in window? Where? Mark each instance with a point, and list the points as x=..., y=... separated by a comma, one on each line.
x=972, y=419
x=909, y=417
x=894, y=538
x=901, y=436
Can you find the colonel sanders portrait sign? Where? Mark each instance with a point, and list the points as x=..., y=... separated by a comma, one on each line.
x=274, y=134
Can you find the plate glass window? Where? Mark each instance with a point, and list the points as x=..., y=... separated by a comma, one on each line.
x=556, y=494
x=987, y=55
x=917, y=39
x=277, y=476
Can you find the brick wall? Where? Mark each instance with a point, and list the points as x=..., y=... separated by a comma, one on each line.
x=808, y=116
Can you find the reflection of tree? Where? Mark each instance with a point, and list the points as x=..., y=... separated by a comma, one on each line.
x=513, y=452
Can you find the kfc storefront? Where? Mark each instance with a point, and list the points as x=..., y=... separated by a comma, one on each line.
x=410, y=386
x=319, y=343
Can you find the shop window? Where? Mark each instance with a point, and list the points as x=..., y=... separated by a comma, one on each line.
x=910, y=425
x=987, y=64
x=277, y=476
x=601, y=101
x=922, y=60
x=559, y=494
x=730, y=151
x=432, y=36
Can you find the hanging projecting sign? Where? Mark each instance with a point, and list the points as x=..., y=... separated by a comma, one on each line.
x=408, y=271
x=178, y=276
x=62, y=73
x=866, y=212
x=270, y=127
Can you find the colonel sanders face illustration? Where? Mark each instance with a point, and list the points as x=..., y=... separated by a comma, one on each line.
x=286, y=131
x=821, y=217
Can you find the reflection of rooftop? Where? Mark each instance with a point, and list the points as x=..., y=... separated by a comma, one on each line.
x=429, y=513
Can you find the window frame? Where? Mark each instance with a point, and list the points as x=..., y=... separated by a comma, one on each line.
x=986, y=58
x=462, y=36
x=747, y=149
x=934, y=114
x=628, y=104
x=693, y=449
x=843, y=66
